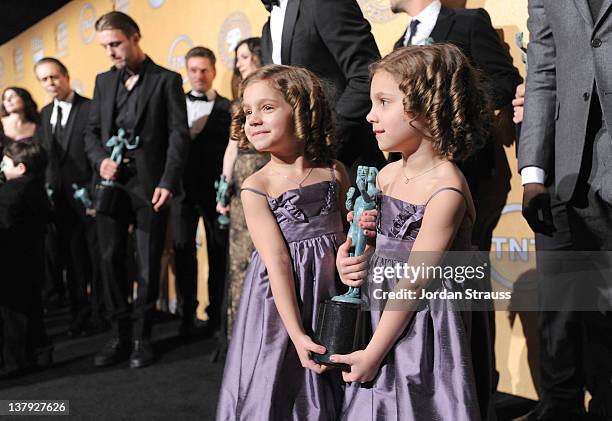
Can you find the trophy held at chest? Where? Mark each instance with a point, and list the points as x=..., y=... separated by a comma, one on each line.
x=338, y=320
x=106, y=191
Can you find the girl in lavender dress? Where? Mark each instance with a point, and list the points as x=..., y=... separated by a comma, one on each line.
x=294, y=217
x=419, y=363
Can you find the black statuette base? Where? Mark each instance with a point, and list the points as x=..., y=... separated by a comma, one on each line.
x=337, y=329
x=105, y=199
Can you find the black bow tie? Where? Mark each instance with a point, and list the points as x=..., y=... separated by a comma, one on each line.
x=270, y=4
x=196, y=98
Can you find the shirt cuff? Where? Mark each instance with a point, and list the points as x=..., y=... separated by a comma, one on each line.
x=532, y=175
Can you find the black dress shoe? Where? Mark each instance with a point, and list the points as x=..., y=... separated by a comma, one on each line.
x=95, y=326
x=43, y=355
x=194, y=329
x=554, y=414
x=113, y=352
x=142, y=355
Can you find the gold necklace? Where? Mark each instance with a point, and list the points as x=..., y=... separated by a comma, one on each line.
x=408, y=179
x=292, y=179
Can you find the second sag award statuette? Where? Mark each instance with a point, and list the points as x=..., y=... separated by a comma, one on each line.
x=104, y=200
x=338, y=319
x=222, y=188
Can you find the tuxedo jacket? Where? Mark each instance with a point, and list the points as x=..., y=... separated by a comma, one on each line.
x=205, y=161
x=472, y=31
x=333, y=40
x=569, y=54
x=161, y=124
x=68, y=162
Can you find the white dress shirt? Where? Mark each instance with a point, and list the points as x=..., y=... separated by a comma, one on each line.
x=532, y=174
x=277, y=19
x=198, y=111
x=427, y=20
x=66, y=106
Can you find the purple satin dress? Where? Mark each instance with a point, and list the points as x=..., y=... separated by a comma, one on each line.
x=263, y=377
x=429, y=374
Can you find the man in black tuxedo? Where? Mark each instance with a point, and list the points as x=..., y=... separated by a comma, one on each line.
x=147, y=101
x=62, y=131
x=209, y=120
x=333, y=40
x=488, y=173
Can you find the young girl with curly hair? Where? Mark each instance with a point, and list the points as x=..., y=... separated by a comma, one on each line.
x=294, y=217
x=427, y=104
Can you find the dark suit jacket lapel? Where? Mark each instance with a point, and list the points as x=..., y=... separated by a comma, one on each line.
x=445, y=21
x=400, y=42
x=266, y=44
x=108, y=105
x=72, y=117
x=46, y=124
x=151, y=77
x=293, y=6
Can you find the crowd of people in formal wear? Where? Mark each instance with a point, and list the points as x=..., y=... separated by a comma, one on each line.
x=92, y=186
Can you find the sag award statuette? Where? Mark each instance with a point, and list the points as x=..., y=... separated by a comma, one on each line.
x=105, y=191
x=338, y=319
x=223, y=197
x=81, y=195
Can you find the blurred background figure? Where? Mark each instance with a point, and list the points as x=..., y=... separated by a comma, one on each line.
x=62, y=132
x=19, y=115
x=208, y=116
x=238, y=164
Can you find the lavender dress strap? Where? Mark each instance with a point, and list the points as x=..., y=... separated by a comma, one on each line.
x=447, y=188
x=254, y=191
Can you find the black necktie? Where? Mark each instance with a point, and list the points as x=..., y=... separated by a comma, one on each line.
x=57, y=129
x=595, y=6
x=413, y=28
x=196, y=98
x=270, y=4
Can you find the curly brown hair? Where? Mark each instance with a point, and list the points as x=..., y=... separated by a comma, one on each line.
x=312, y=116
x=442, y=87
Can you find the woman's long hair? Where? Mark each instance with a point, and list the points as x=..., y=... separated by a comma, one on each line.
x=29, y=105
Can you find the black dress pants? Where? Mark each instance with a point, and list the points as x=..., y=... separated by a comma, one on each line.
x=78, y=236
x=576, y=346
x=149, y=234
x=185, y=215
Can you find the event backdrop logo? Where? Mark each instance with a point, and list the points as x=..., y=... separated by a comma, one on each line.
x=178, y=49
x=37, y=49
x=235, y=28
x=155, y=4
x=87, y=21
x=377, y=11
x=511, y=247
x=61, y=39
x=122, y=5
x=18, y=65
x=77, y=86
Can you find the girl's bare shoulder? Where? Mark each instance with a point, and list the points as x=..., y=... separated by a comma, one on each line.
x=258, y=180
x=387, y=174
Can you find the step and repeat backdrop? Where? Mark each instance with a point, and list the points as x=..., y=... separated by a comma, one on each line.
x=170, y=27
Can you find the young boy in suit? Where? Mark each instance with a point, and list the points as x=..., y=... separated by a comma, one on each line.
x=23, y=217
